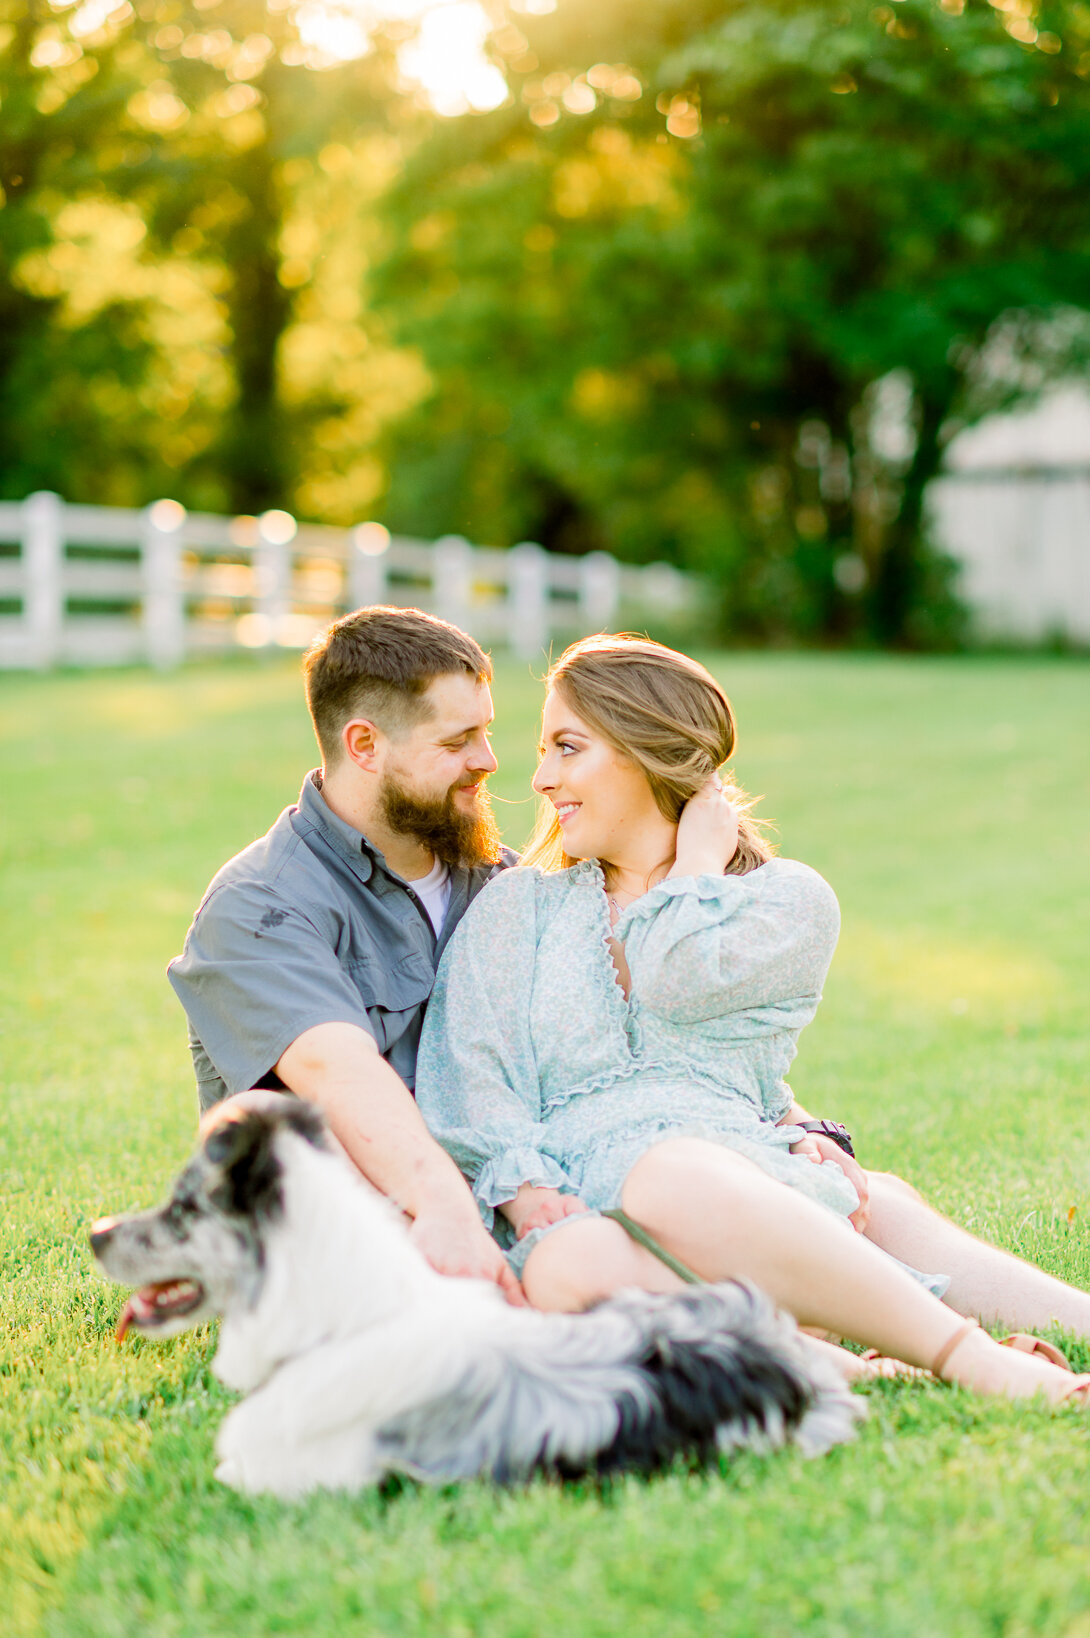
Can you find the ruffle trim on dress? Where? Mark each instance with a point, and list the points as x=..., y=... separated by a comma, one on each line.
x=503, y=1176
x=705, y=888
x=612, y=1078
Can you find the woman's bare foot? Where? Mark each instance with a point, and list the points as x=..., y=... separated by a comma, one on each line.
x=870, y=1367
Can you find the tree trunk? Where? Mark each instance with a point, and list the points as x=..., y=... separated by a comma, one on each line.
x=899, y=572
x=257, y=461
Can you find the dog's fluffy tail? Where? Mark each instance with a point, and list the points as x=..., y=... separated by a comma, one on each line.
x=725, y=1369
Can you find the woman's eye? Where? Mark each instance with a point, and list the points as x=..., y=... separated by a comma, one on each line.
x=565, y=747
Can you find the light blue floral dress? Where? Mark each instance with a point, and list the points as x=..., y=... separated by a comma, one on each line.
x=535, y=1068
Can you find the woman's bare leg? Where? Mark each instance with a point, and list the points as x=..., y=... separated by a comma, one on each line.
x=590, y=1259
x=725, y=1218
x=587, y=1260
x=985, y=1282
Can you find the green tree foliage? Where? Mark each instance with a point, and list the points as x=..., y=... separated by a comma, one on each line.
x=142, y=337
x=235, y=110
x=58, y=106
x=720, y=280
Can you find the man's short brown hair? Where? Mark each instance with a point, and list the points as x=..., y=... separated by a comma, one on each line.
x=377, y=663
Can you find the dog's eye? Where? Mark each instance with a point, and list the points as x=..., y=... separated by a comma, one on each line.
x=177, y=1212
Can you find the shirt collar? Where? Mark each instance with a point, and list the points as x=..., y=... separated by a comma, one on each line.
x=353, y=845
x=350, y=843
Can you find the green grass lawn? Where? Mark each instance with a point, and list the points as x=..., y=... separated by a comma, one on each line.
x=947, y=801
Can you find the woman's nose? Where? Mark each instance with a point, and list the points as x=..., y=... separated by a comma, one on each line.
x=541, y=781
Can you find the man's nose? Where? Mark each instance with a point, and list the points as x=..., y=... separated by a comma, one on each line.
x=485, y=761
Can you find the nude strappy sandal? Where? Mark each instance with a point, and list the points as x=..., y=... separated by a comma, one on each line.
x=1023, y=1343
x=1078, y=1389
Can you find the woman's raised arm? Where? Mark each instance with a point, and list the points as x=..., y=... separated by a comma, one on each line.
x=702, y=949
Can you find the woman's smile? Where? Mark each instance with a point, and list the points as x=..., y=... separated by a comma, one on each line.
x=604, y=805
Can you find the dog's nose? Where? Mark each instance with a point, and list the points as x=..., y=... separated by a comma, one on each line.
x=100, y=1233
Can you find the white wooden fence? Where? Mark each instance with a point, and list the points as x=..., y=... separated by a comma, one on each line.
x=93, y=585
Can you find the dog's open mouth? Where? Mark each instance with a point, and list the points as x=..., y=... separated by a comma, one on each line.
x=154, y=1305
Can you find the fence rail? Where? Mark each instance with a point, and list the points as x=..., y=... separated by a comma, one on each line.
x=96, y=585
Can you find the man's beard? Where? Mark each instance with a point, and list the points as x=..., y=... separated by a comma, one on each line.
x=455, y=838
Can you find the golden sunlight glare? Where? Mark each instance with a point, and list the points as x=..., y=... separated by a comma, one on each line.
x=444, y=58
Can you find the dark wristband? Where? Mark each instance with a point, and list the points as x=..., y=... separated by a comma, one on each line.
x=830, y=1129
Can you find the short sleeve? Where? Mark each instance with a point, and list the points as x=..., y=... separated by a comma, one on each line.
x=255, y=973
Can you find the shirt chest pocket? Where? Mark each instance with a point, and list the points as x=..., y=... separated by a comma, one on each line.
x=394, y=995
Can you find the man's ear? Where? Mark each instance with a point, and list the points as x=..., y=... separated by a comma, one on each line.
x=242, y=1148
x=362, y=742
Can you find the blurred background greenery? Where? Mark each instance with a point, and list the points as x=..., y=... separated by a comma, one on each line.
x=681, y=279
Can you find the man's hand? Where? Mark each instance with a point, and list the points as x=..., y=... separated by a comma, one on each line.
x=464, y=1249
x=535, y=1207
x=822, y=1151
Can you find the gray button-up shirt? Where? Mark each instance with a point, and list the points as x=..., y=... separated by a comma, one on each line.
x=308, y=926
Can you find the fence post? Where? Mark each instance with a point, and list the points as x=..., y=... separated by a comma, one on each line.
x=665, y=588
x=599, y=591
x=43, y=560
x=529, y=583
x=164, y=603
x=452, y=579
x=368, y=545
x=275, y=532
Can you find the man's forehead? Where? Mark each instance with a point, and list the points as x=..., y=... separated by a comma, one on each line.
x=458, y=703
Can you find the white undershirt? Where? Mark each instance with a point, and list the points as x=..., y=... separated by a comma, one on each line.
x=433, y=891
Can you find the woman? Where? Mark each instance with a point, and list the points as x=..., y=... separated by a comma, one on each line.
x=612, y=1023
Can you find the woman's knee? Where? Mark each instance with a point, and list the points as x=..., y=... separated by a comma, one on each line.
x=579, y=1264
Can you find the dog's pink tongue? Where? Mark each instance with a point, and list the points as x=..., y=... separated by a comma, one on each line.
x=125, y=1319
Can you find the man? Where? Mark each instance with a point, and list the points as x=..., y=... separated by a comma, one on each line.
x=312, y=955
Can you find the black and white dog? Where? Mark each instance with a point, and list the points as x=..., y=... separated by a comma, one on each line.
x=359, y=1360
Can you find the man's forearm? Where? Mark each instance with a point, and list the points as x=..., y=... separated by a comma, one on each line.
x=373, y=1115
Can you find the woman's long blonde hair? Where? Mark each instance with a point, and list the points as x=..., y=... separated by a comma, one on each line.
x=667, y=715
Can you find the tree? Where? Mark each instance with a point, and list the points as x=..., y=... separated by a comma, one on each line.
x=719, y=280
x=61, y=102
x=235, y=109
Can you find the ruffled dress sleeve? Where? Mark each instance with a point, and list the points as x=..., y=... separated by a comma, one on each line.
x=478, y=1086
x=704, y=949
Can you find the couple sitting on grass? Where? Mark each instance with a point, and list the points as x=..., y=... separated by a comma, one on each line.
x=599, y=1061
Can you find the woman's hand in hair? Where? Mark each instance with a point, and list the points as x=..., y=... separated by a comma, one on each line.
x=535, y=1207
x=707, y=833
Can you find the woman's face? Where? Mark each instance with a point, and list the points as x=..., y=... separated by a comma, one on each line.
x=603, y=800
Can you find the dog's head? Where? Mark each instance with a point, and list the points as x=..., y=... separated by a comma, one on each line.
x=201, y=1253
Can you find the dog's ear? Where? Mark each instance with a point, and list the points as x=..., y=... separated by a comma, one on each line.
x=241, y=1146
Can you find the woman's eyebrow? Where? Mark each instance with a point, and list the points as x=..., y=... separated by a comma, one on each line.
x=567, y=733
